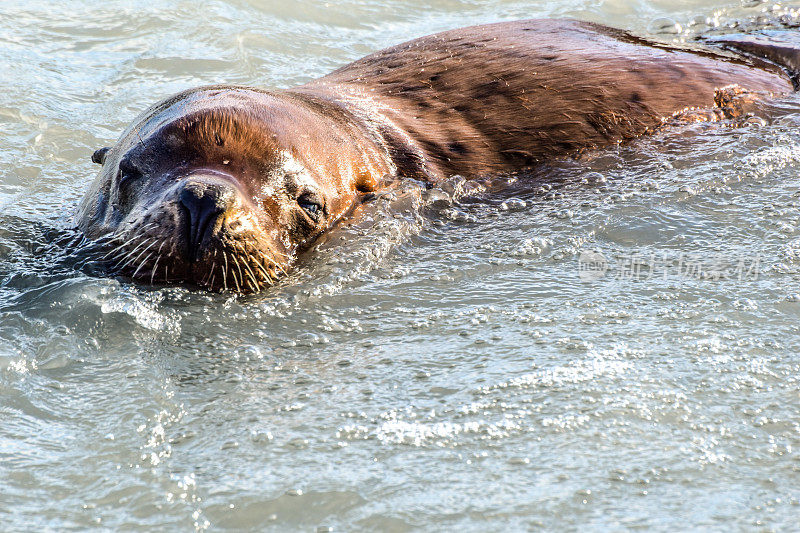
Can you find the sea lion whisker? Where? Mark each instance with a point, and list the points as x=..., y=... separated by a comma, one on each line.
x=210, y=272
x=134, y=232
x=238, y=267
x=129, y=237
x=153, y=243
x=155, y=265
x=276, y=266
x=261, y=268
x=285, y=256
x=127, y=257
x=266, y=259
x=104, y=239
x=128, y=241
x=115, y=242
x=271, y=273
x=124, y=262
x=236, y=280
x=144, y=261
x=249, y=271
x=253, y=288
x=225, y=271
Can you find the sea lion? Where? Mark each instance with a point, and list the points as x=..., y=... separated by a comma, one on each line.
x=223, y=186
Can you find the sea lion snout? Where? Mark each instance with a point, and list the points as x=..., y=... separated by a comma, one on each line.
x=203, y=200
x=217, y=236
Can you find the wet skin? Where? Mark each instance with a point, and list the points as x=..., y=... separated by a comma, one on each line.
x=224, y=186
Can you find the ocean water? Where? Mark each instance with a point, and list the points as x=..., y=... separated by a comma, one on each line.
x=607, y=344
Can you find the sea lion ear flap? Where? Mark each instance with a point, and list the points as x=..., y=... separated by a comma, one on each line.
x=99, y=156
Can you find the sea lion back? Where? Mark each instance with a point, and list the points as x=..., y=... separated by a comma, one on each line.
x=503, y=96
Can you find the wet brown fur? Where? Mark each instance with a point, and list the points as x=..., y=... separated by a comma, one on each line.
x=473, y=101
x=495, y=98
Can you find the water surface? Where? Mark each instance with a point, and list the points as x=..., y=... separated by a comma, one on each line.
x=448, y=361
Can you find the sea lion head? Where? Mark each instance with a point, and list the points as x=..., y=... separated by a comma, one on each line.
x=222, y=187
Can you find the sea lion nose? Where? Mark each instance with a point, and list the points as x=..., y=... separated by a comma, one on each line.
x=204, y=201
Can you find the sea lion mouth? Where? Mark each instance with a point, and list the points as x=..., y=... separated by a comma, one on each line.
x=225, y=264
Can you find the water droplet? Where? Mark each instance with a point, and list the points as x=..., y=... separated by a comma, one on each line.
x=513, y=204
x=595, y=178
x=299, y=443
x=261, y=436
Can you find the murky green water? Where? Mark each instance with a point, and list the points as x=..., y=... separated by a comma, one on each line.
x=610, y=344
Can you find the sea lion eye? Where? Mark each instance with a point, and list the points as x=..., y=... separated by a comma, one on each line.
x=312, y=205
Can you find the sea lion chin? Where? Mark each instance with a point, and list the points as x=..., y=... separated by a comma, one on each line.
x=223, y=186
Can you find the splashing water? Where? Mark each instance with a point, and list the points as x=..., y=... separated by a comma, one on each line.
x=450, y=358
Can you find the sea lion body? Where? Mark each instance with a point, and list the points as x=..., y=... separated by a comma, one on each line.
x=224, y=186
x=499, y=97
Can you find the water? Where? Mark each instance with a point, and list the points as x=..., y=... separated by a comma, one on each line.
x=447, y=361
